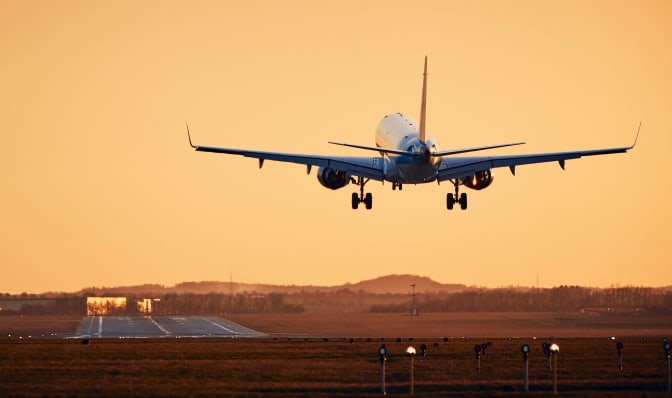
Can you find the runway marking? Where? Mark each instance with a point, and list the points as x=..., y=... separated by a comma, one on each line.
x=130, y=327
x=161, y=328
x=91, y=324
x=220, y=326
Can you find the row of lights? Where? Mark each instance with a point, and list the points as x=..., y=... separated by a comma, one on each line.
x=550, y=349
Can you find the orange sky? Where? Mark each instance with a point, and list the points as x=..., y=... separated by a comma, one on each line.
x=100, y=187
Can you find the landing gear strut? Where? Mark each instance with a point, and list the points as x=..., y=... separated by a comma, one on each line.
x=451, y=200
x=361, y=198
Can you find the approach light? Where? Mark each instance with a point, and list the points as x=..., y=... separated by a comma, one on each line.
x=411, y=353
x=382, y=353
x=545, y=347
x=525, y=348
x=553, y=349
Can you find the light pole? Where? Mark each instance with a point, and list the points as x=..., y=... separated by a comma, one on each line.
x=667, y=347
x=547, y=351
x=411, y=353
x=619, y=353
x=525, y=349
x=554, y=350
x=382, y=353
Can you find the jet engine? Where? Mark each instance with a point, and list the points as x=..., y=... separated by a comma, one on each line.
x=480, y=180
x=332, y=178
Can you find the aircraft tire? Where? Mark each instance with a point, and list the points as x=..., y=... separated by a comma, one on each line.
x=368, y=201
x=463, y=201
x=355, y=201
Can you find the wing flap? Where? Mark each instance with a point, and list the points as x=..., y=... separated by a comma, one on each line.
x=452, y=168
x=367, y=167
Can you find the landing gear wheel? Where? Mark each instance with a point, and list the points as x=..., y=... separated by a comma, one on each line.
x=368, y=201
x=361, y=198
x=463, y=201
x=450, y=201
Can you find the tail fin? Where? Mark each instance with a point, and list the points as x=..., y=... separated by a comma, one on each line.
x=423, y=104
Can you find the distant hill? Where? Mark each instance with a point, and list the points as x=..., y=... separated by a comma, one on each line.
x=392, y=284
x=401, y=284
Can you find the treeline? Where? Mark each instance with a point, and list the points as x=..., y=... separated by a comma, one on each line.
x=168, y=304
x=562, y=298
x=219, y=303
x=36, y=305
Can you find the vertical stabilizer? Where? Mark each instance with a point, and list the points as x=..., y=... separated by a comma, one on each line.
x=423, y=104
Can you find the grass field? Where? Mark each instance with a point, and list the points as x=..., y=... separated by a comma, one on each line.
x=318, y=368
x=298, y=363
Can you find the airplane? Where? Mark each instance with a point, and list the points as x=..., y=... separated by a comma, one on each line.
x=408, y=155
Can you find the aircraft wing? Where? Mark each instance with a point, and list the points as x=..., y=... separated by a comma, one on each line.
x=363, y=166
x=459, y=167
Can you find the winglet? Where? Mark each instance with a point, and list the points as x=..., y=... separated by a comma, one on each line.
x=423, y=104
x=637, y=136
x=189, y=135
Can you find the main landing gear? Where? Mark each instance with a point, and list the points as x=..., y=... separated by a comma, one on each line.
x=451, y=200
x=361, y=198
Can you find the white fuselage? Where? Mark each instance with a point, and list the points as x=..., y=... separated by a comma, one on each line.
x=398, y=131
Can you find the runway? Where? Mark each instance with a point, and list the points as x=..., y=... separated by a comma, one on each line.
x=162, y=326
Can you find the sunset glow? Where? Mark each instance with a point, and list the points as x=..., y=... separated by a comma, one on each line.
x=101, y=188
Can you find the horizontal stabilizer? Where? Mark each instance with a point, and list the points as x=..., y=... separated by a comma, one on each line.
x=475, y=149
x=439, y=153
x=382, y=150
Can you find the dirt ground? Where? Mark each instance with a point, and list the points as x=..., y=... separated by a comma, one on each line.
x=428, y=325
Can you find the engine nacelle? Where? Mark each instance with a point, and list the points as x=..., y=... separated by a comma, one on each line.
x=480, y=180
x=332, y=178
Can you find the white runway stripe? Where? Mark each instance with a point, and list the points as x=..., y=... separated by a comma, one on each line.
x=220, y=326
x=161, y=328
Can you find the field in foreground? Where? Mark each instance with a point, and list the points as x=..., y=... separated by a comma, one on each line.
x=306, y=367
x=334, y=355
